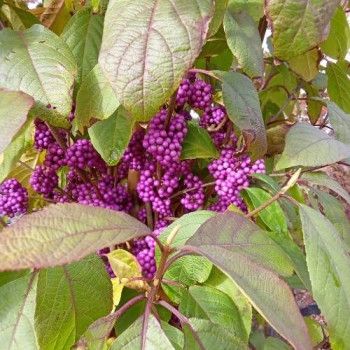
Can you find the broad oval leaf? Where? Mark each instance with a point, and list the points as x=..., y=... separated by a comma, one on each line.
x=40, y=64
x=254, y=7
x=244, y=41
x=337, y=43
x=230, y=250
x=69, y=299
x=338, y=86
x=131, y=338
x=110, y=137
x=14, y=108
x=329, y=265
x=290, y=20
x=95, y=99
x=198, y=144
x=145, y=64
x=243, y=108
x=306, y=145
x=83, y=35
x=211, y=304
x=62, y=233
x=306, y=65
x=17, y=309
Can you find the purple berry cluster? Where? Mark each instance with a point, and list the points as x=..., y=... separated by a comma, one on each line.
x=13, y=198
x=42, y=135
x=44, y=180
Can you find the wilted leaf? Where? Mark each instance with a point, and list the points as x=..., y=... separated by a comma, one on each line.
x=291, y=20
x=146, y=63
x=328, y=264
x=55, y=16
x=40, y=64
x=306, y=145
x=244, y=41
x=69, y=299
x=276, y=137
x=63, y=233
x=243, y=108
x=14, y=108
x=111, y=136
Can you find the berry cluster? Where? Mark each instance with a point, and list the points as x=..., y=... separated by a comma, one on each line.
x=13, y=198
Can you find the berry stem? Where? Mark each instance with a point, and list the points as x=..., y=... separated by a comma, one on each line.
x=192, y=189
x=149, y=215
x=171, y=108
x=205, y=72
x=160, y=244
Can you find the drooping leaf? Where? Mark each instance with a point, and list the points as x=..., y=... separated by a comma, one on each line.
x=145, y=64
x=111, y=136
x=337, y=43
x=211, y=304
x=20, y=142
x=243, y=108
x=244, y=41
x=306, y=145
x=290, y=20
x=69, y=299
x=40, y=64
x=210, y=336
x=83, y=35
x=243, y=253
x=328, y=264
x=95, y=99
x=131, y=339
x=14, y=107
x=215, y=23
x=306, y=65
x=338, y=86
x=62, y=233
x=276, y=137
x=220, y=281
x=272, y=216
x=55, y=16
x=187, y=270
x=17, y=307
x=254, y=7
x=198, y=144
x=323, y=179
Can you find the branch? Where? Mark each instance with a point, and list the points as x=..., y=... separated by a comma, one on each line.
x=205, y=72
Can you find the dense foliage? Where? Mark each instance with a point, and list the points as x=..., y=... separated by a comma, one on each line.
x=165, y=174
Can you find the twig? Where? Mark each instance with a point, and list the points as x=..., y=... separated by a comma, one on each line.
x=191, y=189
x=160, y=244
x=205, y=72
x=171, y=108
x=26, y=165
x=149, y=215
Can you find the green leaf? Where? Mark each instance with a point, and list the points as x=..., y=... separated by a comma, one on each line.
x=338, y=86
x=275, y=344
x=335, y=213
x=175, y=336
x=328, y=264
x=244, y=41
x=55, y=16
x=40, y=64
x=69, y=299
x=210, y=336
x=95, y=99
x=273, y=216
x=220, y=7
x=245, y=254
x=211, y=304
x=131, y=339
x=187, y=270
x=83, y=35
x=243, y=108
x=9, y=276
x=62, y=233
x=337, y=43
x=14, y=107
x=198, y=144
x=23, y=19
x=220, y=281
x=323, y=179
x=21, y=141
x=306, y=65
x=254, y=7
x=110, y=137
x=17, y=314
x=146, y=63
x=290, y=20
x=306, y=145
x=315, y=330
